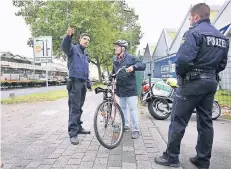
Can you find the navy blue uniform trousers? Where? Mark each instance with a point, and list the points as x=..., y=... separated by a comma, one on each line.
x=76, y=98
x=197, y=94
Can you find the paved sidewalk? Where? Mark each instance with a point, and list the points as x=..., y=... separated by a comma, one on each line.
x=35, y=136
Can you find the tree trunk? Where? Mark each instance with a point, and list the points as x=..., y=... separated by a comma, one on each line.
x=99, y=69
x=99, y=72
x=108, y=73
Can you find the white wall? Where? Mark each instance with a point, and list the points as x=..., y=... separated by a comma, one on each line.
x=224, y=15
x=176, y=43
x=161, y=48
x=93, y=74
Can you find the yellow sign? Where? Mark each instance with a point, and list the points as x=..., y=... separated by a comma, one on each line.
x=213, y=15
x=37, y=49
x=172, y=35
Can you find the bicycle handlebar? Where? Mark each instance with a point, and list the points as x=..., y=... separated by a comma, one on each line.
x=114, y=75
x=123, y=67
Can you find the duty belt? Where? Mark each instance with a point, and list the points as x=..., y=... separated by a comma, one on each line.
x=77, y=79
x=203, y=71
x=194, y=75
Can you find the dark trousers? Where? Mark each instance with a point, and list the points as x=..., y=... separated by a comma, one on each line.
x=197, y=94
x=76, y=98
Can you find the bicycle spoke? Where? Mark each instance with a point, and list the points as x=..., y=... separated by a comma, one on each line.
x=111, y=132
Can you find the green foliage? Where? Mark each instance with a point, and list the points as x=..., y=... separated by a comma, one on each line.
x=224, y=97
x=105, y=21
x=97, y=85
x=37, y=97
x=44, y=96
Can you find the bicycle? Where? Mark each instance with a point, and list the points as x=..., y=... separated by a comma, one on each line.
x=107, y=109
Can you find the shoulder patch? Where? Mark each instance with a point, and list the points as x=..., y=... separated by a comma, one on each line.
x=183, y=40
x=215, y=42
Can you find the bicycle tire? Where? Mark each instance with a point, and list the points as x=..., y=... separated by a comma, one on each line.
x=96, y=128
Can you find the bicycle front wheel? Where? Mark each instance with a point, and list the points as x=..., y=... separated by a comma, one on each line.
x=109, y=124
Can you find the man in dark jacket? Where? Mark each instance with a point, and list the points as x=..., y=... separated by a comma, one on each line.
x=202, y=55
x=126, y=88
x=78, y=82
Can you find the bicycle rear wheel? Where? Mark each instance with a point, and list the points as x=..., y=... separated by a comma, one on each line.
x=112, y=118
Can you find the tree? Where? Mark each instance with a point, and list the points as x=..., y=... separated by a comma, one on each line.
x=105, y=21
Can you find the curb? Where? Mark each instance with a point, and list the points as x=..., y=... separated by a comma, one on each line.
x=152, y=119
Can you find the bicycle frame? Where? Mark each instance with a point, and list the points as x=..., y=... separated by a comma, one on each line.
x=111, y=87
x=105, y=110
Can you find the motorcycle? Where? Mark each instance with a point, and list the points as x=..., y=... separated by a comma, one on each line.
x=159, y=98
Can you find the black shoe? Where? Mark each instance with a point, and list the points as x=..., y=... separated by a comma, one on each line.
x=162, y=161
x=194, y=161
x=74, y=140
x=83, y=131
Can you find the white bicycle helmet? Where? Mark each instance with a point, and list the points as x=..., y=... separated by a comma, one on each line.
x=121, y=43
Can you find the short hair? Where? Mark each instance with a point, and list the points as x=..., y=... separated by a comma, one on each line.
x=201, y=9
x=84, y=34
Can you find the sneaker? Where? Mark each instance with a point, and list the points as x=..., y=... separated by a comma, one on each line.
x=135, y=134
x=126, y=128
x=74, y=140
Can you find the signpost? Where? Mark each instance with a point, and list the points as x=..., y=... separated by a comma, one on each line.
x=43, y=51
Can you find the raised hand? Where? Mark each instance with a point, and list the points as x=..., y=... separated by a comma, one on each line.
x=70, y=31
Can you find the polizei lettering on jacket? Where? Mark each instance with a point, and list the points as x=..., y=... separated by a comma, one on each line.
x=215, y=42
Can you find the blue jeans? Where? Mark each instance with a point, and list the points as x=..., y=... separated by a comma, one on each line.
x=132, y=103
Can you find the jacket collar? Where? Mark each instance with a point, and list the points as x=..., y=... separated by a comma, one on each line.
x=125, y=55
x=80, y=50
x=200, y=21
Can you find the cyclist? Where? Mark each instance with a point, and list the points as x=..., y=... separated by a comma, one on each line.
x=126, y=88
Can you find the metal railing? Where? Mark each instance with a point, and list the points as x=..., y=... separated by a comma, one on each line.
x=223, y=94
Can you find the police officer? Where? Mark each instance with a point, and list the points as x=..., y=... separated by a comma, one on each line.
x=78, y=82
x=126, y=88
x=202, y=55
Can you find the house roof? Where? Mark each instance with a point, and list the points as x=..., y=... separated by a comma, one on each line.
x=148, y=51
x=164, y=42
x=170, y=34
x=185, y=26
x=151, y=47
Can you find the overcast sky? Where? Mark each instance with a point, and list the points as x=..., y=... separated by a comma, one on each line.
x=154, y=15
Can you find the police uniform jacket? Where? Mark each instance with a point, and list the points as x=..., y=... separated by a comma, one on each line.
x=203, y=47
x=77, y=59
